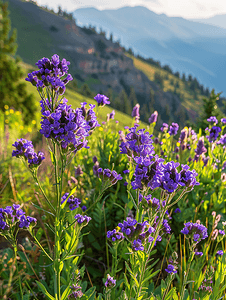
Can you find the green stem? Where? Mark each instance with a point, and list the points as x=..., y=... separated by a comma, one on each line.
x=43, y=193
x=33, y=294
x=40, y=246
x=57, y=231
x=167, y=287
x=15, y=255
x=187, y=272
x=143, y=268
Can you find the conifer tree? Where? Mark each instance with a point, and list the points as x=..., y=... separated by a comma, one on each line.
x=125, y=104
x=132, y=97
x=210, y=108
x=85, y=90
x=12, y=92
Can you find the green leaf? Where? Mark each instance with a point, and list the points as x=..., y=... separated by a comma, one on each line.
x=66, y=293
x=170, y=294
x=150, y=276
x=130, y=205
x=90, y=292
x=53, y=159
x=43, y=289
x=40, y=208
x=61, y=266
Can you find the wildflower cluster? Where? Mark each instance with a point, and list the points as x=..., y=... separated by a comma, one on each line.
x=72, y=201
x=107, y=174
x=12, y=215
x=115, y=235
x=173, y=129
x=135, y=113
x=153, y=118
x=150, y=170
x=67, y=126
x=25, y=149
x=84, y=220
x=76, y=292
x=149, y=202
x=50, y=73
x=101, y=100
x=196, y=231
x=213, y=133
x=137, y=233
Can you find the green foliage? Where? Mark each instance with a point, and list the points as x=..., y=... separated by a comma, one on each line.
x=12, y=92
x=85, y=90
x=210, y=108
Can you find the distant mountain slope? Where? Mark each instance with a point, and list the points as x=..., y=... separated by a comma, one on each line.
x=218, y=20
x=187, y=46
x=104, y=66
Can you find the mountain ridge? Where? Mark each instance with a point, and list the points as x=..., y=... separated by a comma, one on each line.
x=101, y=64
x=157, y=35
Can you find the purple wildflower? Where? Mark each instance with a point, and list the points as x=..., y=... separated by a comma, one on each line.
x=67, y=126
x=150, y=202
x=102, y=99
x=126, y=171
x=220, y=252
x=135, y=112
x=112, y=115
x=214, y=132
x=153, y=118
x=25, y=149
x=95, y=159
x=222, y=140
x=198, y=253
x=187, y=177
x=115, y=235
x=137, y=245
x=107, y=174
x=171, y=269
x=10, y=215
x=166, y=228
x=212, y=120
x=173, y=129
x=76, y=292
x=72, y=201
x=50, y=73
x=84, y=220
x=164, y=127
x=25, y=222
x=177, y=210
x=200, y=149
x=223, y=120
x=110, y=282
x=84, y=208
x=195, y=230
x=170, y=178
x=183, y=135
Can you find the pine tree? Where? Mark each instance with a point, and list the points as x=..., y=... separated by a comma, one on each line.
x=132, y=97
x=85, y=90
x=210, y=108
x=125, y=104
x=12, y=92
x=151, y=101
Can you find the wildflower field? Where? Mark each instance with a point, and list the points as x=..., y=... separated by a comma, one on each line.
x=93, y=208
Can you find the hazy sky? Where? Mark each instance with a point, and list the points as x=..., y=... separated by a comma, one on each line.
x=183, y=8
